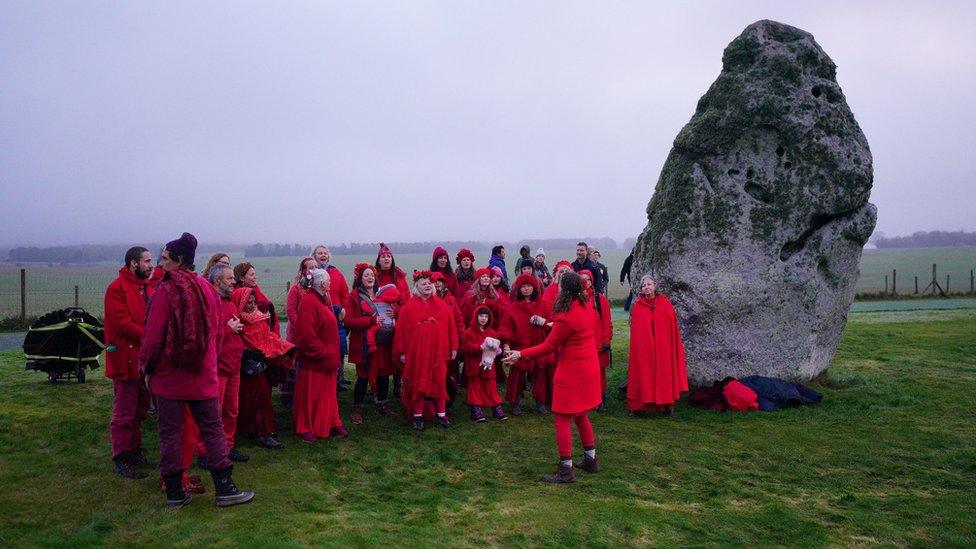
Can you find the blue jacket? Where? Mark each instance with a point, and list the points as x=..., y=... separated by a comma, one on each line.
x=497, y=261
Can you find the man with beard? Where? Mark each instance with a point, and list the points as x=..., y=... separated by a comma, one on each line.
x=125, y=311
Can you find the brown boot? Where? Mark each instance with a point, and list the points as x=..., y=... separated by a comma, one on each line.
x=588, y=464
x=383, y=409
x=357, y=415
x=562, y=475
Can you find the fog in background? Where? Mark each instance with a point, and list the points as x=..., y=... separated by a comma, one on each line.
x=324, y=121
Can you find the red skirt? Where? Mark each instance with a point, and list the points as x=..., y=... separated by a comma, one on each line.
x=255, y=414
x=483, y=391
x=315, y=408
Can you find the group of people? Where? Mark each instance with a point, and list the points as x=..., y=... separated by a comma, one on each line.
x=206, y=350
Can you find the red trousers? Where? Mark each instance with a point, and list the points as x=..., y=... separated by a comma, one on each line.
x=129, y=410
x=564, y=435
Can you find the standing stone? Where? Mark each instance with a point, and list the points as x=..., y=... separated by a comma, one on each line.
x=756, y=226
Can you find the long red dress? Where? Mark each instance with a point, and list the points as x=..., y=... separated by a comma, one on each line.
x=315, y=408
x=602, y=334
x=656, y=372
x=576, y=385
x=426, y=334
x=256, y=410
x=482, y=390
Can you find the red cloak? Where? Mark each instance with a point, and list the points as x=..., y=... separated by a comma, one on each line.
x=656, y=372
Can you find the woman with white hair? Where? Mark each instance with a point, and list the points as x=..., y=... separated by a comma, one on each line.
x=656, y=372
x=315, y=408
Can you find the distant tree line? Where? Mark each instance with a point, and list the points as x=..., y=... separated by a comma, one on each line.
x=367, y=248
x=96, y=253
x=927, y=239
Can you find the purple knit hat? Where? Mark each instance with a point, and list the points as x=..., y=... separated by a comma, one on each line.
x=185, y=247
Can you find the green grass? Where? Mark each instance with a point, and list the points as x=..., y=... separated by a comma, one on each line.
x=888, y=458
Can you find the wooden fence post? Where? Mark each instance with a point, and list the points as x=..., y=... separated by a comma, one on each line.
x=23, y=296
x=76, y=295
x=894, y=282
x=886, y=285
x=916, y=284
x=972, y=281
x=947, y=285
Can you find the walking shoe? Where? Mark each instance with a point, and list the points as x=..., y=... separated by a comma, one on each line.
x=498, y=412
x=237, y=455
x=477, y=415
x=588, y=464
x=444, y=421
x=418, y=423
x=141, y=459
x=338, y=432
x=357, y=415
x=226, y=493
x=516, y=409
x=541, y=408
x=270, y=442
x=176, y=498
x=127, y=467
x=562, y=475
x=307, y=437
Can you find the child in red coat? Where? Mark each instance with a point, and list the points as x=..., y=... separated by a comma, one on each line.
x=257, y=332
x=480, y=345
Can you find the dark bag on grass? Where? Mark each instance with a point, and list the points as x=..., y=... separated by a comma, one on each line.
x=253, y=362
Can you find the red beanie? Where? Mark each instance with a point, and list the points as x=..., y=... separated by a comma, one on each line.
x=462, y=253
x=562, y=263
x=438, y=251
x=383, y=250
x=185, y=247
x=434, y=277
x=482, y=271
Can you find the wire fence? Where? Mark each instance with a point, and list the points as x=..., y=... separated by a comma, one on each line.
x=27, y=293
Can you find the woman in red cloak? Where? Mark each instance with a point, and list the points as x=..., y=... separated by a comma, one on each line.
x=425, y=339
x=524, y=326
x=256, y=410
x=576, y=387
x=602, y=330
x=453, y=367
x=316, y=410
x=464, y=274
x=441, y=263
x=481, y=293
x=656, y=370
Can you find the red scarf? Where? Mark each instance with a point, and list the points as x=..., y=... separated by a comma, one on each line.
x=187, y=333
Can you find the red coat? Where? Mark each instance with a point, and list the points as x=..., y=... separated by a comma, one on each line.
x=452, y=302
x=576, y=385
x=317, y=334
x=338, y=288
x=520, y=333
x=426, y=334
x=295, y=294
x=125, y=312
x=398, y=279
x=231, y=344
x=463, y=287
x=167, y=380
x=549, y=298
x=359, y=318
x=482, y=390
x=656, y=370
x=602, y=328
x=472, y=302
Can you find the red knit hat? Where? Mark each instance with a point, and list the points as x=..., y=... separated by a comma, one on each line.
x=482, y=271
x=435, y=276
x=417, y=275
x=462, y=253
x=384, y=250
x=185, y=247
x=357, y=271
x=522, y=280
x=586, y=273
x=438, y=251
x=563, y=263
x=497, y=271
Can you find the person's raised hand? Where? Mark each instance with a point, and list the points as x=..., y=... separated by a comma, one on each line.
x=235, y=324
x=511, y=357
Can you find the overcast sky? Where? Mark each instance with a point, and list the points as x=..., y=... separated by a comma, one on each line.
x=323, y=121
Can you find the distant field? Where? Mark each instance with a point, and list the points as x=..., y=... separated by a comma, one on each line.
x=52, y=286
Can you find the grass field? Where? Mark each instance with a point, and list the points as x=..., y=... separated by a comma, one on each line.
x=888, y=458
x=52, y=286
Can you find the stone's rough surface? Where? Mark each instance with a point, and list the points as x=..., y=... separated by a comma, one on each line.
x=757, y=222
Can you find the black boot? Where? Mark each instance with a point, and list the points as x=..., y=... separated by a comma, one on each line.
x=126, y=465
x=562, y=475
x=142, y=459
x=236, y=455
x=226, y=493
x=588, y=464
x=176, y=498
